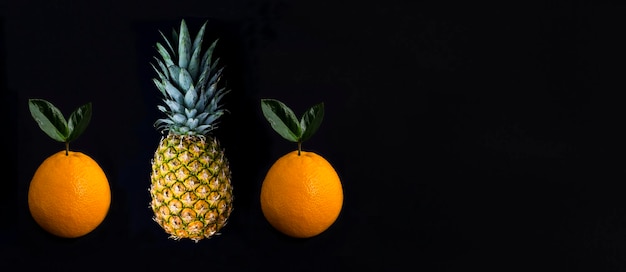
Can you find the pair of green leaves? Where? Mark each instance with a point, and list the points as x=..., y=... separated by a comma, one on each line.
x=52, y=122
x=284, y=121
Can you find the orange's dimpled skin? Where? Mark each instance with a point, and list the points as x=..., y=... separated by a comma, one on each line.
x=69, y=195
x=301, y=195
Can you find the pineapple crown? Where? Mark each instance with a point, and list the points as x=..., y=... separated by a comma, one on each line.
x=188, y=80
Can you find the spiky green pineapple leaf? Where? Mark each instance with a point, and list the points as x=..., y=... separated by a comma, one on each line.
x=207, y=63
x=185, y=80
x=167, y=41
x=165, y=55
x=164, y=73
x=53, y=123
x=173, y=92
x=184, y=46
x=194, y=63
x=191, y=98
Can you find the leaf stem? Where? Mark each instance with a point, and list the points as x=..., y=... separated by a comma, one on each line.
x=67, y=148
x=299, y=147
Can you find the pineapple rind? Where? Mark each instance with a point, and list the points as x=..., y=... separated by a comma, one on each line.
x=190, y=187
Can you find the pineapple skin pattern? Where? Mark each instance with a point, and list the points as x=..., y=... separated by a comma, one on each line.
x=191, y=191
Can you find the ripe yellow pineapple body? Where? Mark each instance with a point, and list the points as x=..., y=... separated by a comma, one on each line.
x=191, y=190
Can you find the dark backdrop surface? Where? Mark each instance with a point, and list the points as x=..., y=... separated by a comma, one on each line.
x=467, y=135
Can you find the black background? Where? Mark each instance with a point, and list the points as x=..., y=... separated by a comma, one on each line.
x=467, y=135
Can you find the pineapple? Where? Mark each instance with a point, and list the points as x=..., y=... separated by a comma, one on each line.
x=191, y=191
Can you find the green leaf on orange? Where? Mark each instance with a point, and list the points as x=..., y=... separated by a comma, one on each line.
x=53, y=123
x=49, y=118
x=78, y=121
x=311, y=121
x=284, y=121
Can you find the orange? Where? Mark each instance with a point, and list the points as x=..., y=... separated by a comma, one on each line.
x=301, y=195
x=69, y=195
